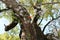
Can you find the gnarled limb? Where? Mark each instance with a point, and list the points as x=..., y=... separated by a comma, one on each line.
x=11, y=25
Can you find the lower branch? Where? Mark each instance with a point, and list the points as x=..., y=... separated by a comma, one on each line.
x=4, y=10
x=11, y=25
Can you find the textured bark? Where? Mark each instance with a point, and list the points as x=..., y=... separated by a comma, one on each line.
x=32, y=30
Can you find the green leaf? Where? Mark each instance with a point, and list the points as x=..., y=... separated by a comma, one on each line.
x=39, y=1
x=31, y=10
x=46, y=14
x=31, y=2
x=51, y=14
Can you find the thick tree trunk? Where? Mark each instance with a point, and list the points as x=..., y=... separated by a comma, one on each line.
x=31, y=30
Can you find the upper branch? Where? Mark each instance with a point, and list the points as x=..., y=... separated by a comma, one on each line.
x=40, y=21
x=50, y=22
x=45, y=3
x=38, y=12
x=17, y=8
x=50, y=3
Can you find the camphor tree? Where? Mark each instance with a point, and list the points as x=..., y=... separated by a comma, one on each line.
x=30, y=30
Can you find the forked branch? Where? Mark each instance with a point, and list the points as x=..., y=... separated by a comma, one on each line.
x=50, y=22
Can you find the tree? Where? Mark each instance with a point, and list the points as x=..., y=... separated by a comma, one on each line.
x=31, y=30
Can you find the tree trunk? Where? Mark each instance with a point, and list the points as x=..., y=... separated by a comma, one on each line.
x=31, y=30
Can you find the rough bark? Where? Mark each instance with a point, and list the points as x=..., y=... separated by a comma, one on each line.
x=32, y=30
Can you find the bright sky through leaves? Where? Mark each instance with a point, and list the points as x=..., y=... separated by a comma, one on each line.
x=2, y=22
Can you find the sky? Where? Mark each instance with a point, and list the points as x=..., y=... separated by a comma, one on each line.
x=2, y=22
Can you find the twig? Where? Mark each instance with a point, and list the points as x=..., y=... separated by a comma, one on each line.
x=50, y=22
x=41, y=21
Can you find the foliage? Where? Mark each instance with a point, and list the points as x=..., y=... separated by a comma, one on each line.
x=6, y=36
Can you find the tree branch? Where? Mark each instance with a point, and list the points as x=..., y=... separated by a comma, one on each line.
x=17, y=8
x=50, y=22
x=50, y=3
x=36, y=18
x=41, y=20
x=43, y=3
x=4, y=10
x=11, y=25
x=38, y=12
